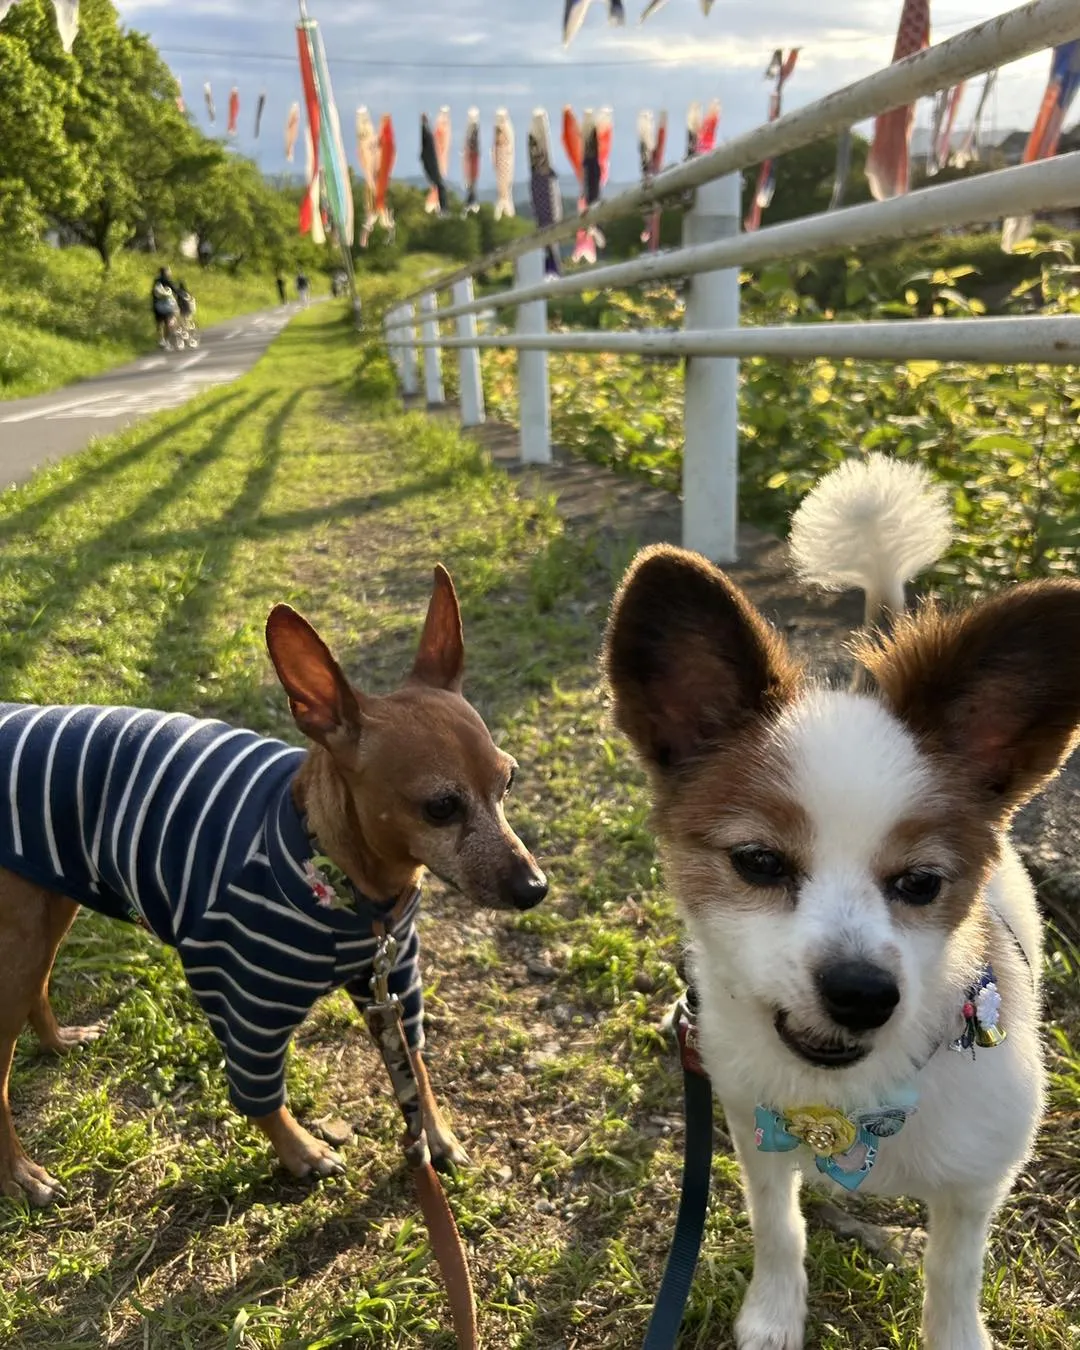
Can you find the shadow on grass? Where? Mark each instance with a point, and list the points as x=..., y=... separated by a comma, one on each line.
x=540, y=625
x=254, y=525
x=179, y=1213
x=303, y=1254
x=67, y=577
x=187, y=622
x=27, y=519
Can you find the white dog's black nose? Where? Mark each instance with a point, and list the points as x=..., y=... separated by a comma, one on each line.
x=858, y=995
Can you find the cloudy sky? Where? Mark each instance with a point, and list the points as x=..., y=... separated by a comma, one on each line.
x=407, y=56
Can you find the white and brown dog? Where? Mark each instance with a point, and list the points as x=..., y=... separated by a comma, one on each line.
x=855, y=909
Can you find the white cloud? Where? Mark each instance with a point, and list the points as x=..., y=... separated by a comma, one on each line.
x=677, y=56
x=132, y=9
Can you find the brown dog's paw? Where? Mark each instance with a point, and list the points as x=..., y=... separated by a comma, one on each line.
x=304, y=1156
x=67, y=1039
x=447, y=1155
x=25, y=1180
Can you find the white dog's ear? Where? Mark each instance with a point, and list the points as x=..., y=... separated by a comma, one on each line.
x=689, y=659
x=996, y=688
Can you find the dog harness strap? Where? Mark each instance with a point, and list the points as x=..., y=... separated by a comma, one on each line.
x=388, y=1033
x=694, y=1201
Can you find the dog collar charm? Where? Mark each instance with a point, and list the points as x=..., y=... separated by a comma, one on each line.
x=981, y=1013
x=844, y=1146
x=325, y=877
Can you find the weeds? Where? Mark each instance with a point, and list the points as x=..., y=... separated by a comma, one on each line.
x=142, y=571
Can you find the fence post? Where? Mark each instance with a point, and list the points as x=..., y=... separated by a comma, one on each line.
x=410, y=385
x=429, y=328
x=392, y=338
x=533, y=400
x=711, y=416
x=472, y=388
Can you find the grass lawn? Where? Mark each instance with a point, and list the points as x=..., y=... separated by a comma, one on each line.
x=62, y=318
x=142, y=572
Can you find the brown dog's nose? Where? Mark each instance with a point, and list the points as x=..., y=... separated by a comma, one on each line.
x=525, y=886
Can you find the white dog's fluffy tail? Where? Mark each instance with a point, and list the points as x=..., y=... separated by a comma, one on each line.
x=873, y=523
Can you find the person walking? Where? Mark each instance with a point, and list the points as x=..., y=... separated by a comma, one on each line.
x=186, y=301
x=164, y=302
x=282, y=293
x=302, y=289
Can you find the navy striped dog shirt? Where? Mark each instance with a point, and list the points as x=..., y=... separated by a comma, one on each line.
x=189, y=827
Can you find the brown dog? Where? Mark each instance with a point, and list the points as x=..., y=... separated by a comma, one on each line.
x=266, y=866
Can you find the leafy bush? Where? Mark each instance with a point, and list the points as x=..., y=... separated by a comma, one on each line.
x=994, y=274
x=453, y=236
x=1003, y=438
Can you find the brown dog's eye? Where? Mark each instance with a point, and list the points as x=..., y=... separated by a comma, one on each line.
x=443, y=810
x=761, y=866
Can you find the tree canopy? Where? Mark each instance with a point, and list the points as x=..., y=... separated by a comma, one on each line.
x=94, y=145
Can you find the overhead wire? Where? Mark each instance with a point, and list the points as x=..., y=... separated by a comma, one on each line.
x=380, y=63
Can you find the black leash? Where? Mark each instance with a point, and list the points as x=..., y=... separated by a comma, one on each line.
x=682, y=1259
x=694, y=1201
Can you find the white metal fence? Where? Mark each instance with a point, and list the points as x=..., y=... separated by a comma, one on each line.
x=713, y=250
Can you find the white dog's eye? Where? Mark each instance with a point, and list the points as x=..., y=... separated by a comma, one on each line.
x=761, y=866
x=918, y=887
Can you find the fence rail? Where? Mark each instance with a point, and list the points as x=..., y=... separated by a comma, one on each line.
x=713, y=249
x=1049, y=185
x=1047, y=341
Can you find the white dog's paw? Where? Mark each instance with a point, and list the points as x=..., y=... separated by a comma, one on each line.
x=772, y=1317
x=956, y=1334
x=669, y=1020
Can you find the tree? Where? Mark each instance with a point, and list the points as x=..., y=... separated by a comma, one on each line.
x=804, y=180
x=93, y=143
x=113, y=132
x=494, y=233
x=130, y=134
x=235, y=211
x=40, y=174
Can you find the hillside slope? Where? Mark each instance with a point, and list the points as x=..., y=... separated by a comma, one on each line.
x=63, y=318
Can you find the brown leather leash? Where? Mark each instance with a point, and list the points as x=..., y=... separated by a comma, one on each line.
x=383, y=1017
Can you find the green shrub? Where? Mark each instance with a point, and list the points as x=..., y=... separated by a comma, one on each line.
x=1004, y=438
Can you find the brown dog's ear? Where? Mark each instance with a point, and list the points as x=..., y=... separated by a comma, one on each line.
x=322, y=701
x=690, y=660
x=440, y=660
x=997, y=687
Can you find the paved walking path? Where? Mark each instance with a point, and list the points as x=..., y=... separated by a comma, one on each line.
x=34, y=431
